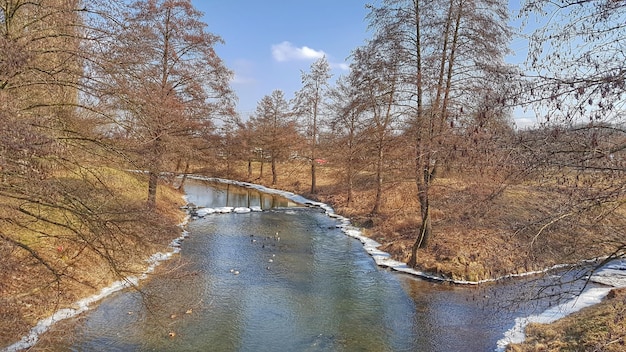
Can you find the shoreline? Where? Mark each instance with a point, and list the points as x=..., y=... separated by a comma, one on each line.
x=516, y=334
x=381, y=258
x=86, y=304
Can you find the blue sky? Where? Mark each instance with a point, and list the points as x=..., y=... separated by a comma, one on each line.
x=268, y=43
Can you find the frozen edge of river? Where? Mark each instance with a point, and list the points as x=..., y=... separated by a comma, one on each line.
x=517, y=333
x=382, y=259
x=84, y=304
x=613, y=274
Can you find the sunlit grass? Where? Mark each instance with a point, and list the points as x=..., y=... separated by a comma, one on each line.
x=73, y=234
x=598, y=328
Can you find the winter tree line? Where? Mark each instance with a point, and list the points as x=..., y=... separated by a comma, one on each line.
x=138, y=85
x=430, y=95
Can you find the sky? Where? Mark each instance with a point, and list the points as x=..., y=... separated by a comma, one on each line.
x=269, y=43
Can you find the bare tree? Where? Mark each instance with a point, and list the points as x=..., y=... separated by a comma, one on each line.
x=309, y=103
x=376, y=77
x=576, y=80
x=162, y=81
x=347, y=126
x=576, y=59
x=275, y=129
x=58, y=204
x=444, y=48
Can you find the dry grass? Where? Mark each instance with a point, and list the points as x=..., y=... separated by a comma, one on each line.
x=481, y=230
x=81, y=257
x=598, y=328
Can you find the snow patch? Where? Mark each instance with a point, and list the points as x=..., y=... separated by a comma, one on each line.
x=612, y=274
x=587, y=298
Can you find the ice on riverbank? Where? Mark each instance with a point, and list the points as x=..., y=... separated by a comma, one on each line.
x=587, y=298
x=382, y=259
x=83, y=305
x=612, y=275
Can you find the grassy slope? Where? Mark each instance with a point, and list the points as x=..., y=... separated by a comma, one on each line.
x=29, y=292
x=598, y=328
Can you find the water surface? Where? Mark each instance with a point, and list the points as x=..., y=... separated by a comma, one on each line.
x=287, y=279
x=215, y=194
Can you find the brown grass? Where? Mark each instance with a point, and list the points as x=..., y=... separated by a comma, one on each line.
x=598, y=328
x=481, y=230
x=30, y=292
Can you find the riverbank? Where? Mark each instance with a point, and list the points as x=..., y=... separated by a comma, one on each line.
x=599, y=327
x=84, y=267
x=372, y=247
x=548, y=328
x=220, y=267
x=481, y=232
x=372, y=225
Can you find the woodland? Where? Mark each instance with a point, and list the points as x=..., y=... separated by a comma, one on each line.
x=103, y=101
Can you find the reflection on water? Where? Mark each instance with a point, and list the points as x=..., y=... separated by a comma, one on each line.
x=287, y=279
x=214, y=194
x=309, y=288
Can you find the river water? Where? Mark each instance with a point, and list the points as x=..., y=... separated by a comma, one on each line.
x=288, y=279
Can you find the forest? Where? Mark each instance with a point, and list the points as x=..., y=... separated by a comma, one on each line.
x=103, y=101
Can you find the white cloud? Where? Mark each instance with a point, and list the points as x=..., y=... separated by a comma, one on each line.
x=285, y=51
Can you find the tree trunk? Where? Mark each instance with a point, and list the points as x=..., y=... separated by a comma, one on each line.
x=426, y=226
x=350, y=167
x=350, y=184
x=422, y=238
x=314, y=146
x=379, y=181
x=261, y=170
x=185, y=173
x=313, y=177
x=154, y=170
x=152, y=189
x=274, y=175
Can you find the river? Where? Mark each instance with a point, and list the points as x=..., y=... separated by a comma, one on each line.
x=274, y=275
